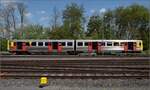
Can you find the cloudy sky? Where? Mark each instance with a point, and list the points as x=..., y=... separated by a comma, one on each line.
x=40, y=11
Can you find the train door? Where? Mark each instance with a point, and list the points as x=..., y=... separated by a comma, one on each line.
x=59, y=47
x=55, y=45
x=130, y=46
x=98, y=47
x=19, y=45
x=49, y=44
x=24, y=44
x=90, y=47
x=94, y=45
x=75, y=47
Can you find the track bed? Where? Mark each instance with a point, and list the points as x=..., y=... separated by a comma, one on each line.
x=93, y=67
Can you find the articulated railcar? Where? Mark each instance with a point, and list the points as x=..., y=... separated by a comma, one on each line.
x=40, y=46
x=100, y=46
x=73, y=46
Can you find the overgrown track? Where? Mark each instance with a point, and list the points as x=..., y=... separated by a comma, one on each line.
x=87, y=67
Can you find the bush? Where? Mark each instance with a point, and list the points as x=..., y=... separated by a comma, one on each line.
x=3, y=44
x=146, y=52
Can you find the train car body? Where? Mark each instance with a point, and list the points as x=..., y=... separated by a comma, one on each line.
x=100, y=46
x=40, y=46
x=73, y=46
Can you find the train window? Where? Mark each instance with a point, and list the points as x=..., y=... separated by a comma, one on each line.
x=86, y=43
x=46, y=43
x=102, y=43
x=139, y=43
x=109, y=43
x=80, y=43
x=122, y=43
x=33, y=43
x=63, y=43
x=116, y=43
x=40, y=43
x=27, y=43
x=69, y=43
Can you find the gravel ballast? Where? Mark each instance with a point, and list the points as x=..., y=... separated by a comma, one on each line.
x=76, y=84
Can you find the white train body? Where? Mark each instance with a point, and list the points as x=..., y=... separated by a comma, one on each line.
x=74, y=46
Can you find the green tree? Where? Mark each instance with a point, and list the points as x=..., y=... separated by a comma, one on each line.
x=131, y=22
x=56, y=31
x=31, y=32
x=22, y=11
x=94, y=27
x=3, y=44
x=73, y=21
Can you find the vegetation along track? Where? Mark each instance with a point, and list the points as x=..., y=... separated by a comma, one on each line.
x=102, y=68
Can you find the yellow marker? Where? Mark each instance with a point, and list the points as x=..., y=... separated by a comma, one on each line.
x=43, y=81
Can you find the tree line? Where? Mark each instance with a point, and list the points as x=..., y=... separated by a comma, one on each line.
x=131, y=22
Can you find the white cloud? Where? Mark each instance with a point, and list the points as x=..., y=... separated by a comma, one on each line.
x=44, y=18
x=6, y=2
x=24, y=24
x=28, y=14
x=41, y=12
x=12, y=2
x=92, y=11
x=102, y=10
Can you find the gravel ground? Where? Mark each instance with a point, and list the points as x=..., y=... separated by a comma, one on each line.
x=76, y=84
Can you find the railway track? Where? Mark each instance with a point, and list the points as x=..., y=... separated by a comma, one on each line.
x=94, y=68
x=68, y=57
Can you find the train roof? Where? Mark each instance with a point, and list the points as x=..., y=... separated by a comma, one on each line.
x=46, y=40
x=112, y=40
